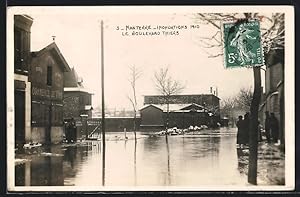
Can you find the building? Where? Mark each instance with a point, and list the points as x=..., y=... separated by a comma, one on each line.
x=209, y=101
x=184, y=111
x=47, y=70
x=77, y=104
x=22, y=84
x=77, y=99
x=180, y=115
x=273, y=97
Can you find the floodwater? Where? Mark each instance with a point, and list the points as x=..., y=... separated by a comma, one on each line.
x=209, y=157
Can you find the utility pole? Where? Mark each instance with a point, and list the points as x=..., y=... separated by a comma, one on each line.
x=253, y=141
x=253, y=127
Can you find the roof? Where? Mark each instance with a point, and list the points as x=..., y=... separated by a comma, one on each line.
x=71, y=79
x=23, y=21
x=77, y=89
x=177, y=107
x=210, y=94
x=53, y=49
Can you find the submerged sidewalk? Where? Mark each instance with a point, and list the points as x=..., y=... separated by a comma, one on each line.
x=270, y=164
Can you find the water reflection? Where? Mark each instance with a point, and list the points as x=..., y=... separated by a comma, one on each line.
x=149, y=161
x=168, y=161
x=103, y=162
x=134, y=162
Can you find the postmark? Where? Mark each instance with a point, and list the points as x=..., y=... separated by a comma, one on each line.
x=242, y=43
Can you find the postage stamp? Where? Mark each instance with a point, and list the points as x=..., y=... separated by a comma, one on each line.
x=242, y=43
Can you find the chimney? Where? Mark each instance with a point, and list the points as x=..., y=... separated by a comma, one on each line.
x=216, y=91
x=211, y=90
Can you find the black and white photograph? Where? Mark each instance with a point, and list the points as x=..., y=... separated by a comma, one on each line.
x=135, y=98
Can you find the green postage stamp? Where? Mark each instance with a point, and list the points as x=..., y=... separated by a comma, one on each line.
x=242, y=44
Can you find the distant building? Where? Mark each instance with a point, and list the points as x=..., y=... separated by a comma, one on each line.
x=22, y=84
x=209, y=101
x=47, y=70
x=184, y=111
x=180, y=115
x=77, y=99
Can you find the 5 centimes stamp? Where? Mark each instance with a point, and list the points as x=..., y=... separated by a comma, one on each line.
x=242, y=43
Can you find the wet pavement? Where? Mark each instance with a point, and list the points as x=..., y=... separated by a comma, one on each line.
x=208, y=157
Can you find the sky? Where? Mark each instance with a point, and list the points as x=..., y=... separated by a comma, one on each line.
x=77, y=35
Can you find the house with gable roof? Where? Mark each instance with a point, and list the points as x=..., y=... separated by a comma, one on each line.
x=153, y=116
x=47, y=68
x=184, y=111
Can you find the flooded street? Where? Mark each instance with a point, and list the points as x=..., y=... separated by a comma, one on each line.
x=209, y=157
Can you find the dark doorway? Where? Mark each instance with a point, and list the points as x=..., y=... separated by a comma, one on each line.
x=19, y=117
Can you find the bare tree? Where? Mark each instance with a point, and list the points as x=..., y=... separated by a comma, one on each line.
x=135, y=74
x=228, y=106
x=272, y=30
x=241, y=101
x=244, y=98
x=167, y=86
x=272, y=38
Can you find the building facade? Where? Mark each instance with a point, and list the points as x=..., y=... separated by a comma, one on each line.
x=77, y=100
x=273, y=97
x=156, y=116
x=77, y=105
x=209, y=101
x=180, y=115
x=47, y=90
x=22, y=84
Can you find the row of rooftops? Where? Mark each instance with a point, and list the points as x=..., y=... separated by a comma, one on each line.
x=177, y=107
x=210, y=94
x=71, y=79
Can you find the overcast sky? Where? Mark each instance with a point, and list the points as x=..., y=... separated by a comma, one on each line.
x=78, y=37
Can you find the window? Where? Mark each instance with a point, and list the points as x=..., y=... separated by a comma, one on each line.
x=81, y=99
x=18, y=54
x=49, y=75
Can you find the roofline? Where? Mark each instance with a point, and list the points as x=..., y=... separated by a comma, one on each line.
x=187, y=105
x=76, y=89
x=54, y=47
x=25, y=19
x=28, y=17
x=210, y=94
x=148, y=105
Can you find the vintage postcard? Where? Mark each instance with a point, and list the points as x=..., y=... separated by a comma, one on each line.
x=150, y=98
